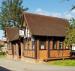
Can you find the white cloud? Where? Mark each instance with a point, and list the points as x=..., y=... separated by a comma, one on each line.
x=66, y=15
x=56, y=14
x=73, y=11
x=42, y=12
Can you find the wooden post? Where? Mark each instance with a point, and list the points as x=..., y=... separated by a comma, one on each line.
x=47, y=48
x=17, y=50
x=22, y=49
x=58, y=51
x=15, y=53
x=50, y=47
x=37, y=49
x=14, y=46
x=51, y=44
x=57, y=45
x=63, y=46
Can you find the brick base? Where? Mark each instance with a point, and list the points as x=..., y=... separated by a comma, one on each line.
x=29, y=60
x=9, y=56
x=16, y=57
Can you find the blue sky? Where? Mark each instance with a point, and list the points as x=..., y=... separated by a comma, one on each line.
x=57, y=8
x=49, y=5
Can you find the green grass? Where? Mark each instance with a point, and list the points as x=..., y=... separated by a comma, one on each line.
x=2, y=55
x=62, y=62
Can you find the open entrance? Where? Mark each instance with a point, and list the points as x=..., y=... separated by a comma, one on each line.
x=19, y=50
x=12, y=49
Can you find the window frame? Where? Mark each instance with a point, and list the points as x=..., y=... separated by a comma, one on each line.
x=33, y=45
x=61, y=42
x=42, y=43
x=54, y=44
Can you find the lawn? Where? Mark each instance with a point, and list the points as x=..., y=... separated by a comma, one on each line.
x=2, y=55
x=62, y=62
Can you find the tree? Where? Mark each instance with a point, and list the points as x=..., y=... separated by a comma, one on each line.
x=70, y=36
x=11, y=12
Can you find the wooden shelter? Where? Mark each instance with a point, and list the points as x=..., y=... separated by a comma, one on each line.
x=41, y=38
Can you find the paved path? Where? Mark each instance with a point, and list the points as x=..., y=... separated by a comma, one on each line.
x=24, y=66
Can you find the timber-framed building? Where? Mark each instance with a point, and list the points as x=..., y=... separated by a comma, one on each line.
x=41, y=38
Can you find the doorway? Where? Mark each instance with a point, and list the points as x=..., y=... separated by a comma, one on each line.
x=19, y=50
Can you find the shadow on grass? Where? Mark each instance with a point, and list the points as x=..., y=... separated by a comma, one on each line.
x=4, y=69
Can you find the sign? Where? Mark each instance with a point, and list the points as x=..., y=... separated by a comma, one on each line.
x=21, y=33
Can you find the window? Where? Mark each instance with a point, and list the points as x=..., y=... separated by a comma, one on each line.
x=54, y=44
x=42, y=45
x=21, y=32
x=60, y=45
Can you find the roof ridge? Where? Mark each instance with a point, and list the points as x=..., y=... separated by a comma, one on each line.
x=44, y=15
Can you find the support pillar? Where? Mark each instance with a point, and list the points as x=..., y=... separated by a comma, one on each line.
x=37, y=49
x=47, y=48
x=51, y=44
x=50, y=47
x=63, y=47
x=59, y=52
x=22, y=50
x=17, y=50
x=57, y=45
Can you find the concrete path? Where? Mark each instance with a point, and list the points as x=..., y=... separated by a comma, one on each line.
x=13, y=65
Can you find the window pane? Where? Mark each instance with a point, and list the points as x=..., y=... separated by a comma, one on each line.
x=42, y=45
x=33, y=45
x=54, y=44
x=60, y=45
